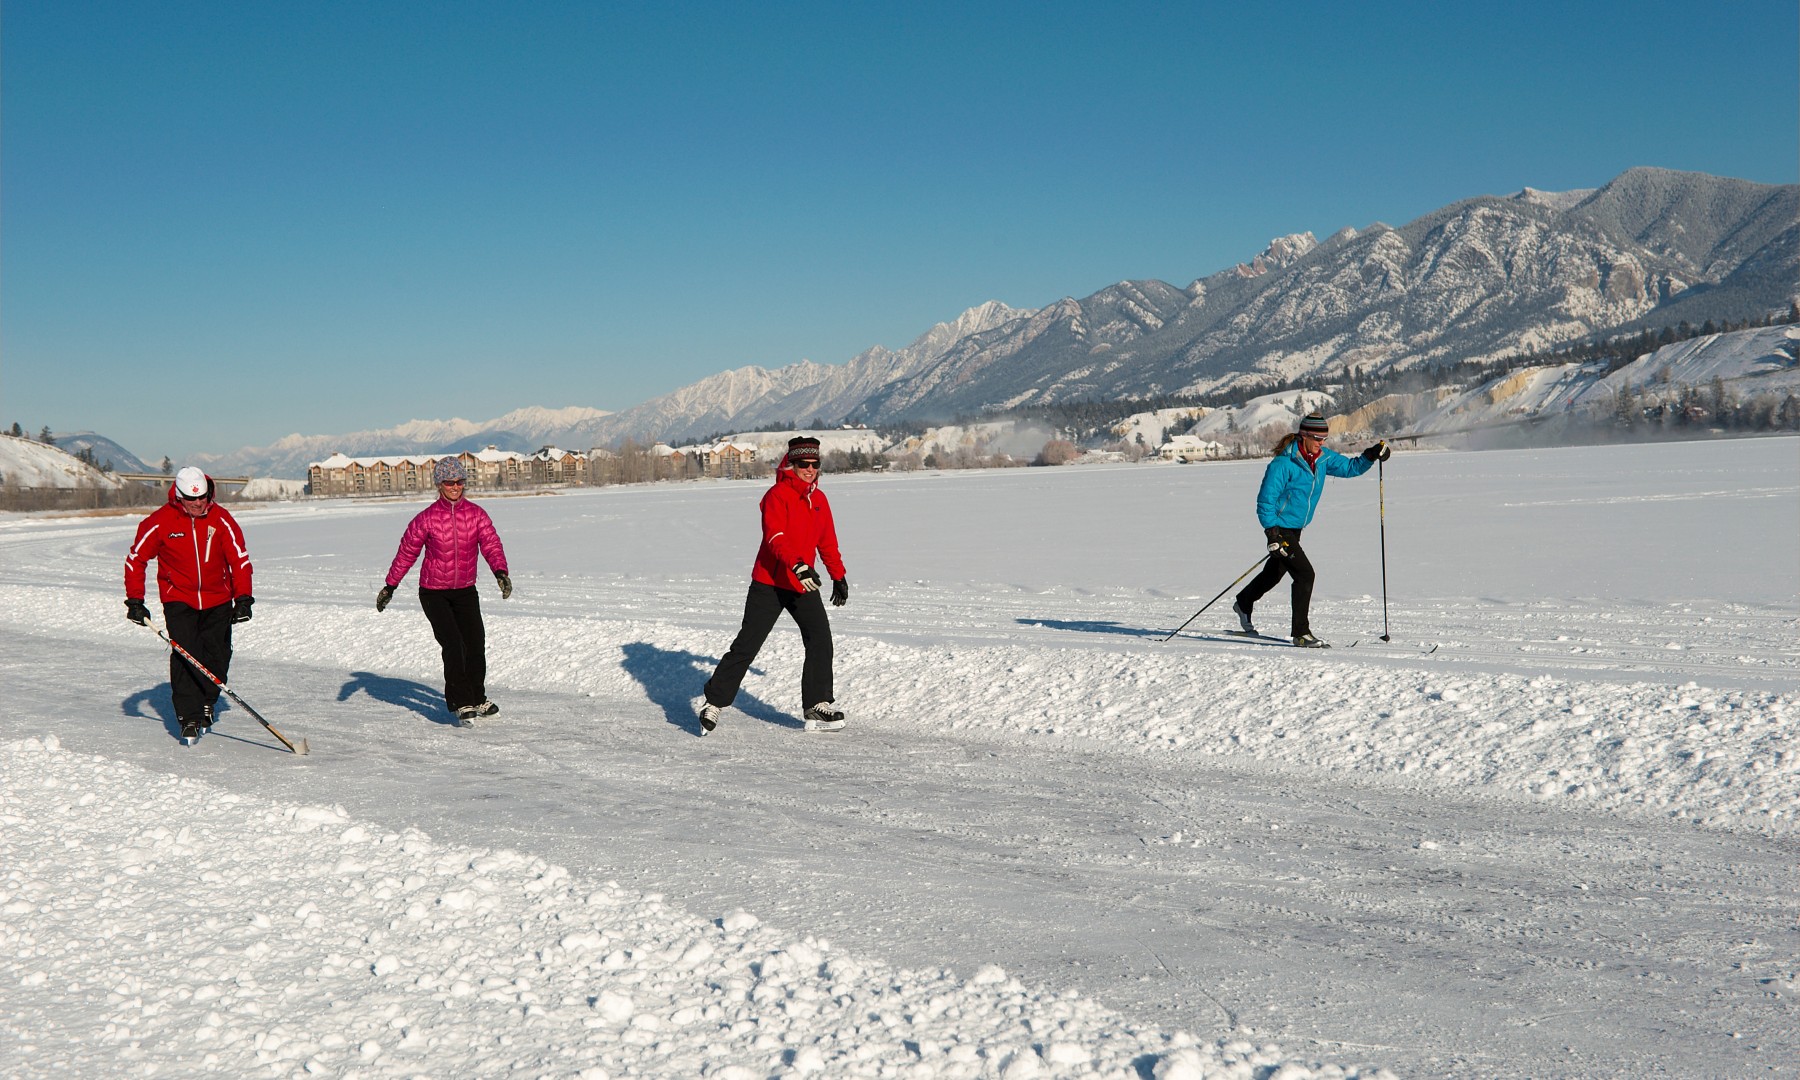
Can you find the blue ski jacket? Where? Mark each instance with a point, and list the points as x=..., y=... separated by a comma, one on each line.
x=1291, y=488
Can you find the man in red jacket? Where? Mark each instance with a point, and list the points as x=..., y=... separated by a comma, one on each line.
x=203, y=578
x=796, y=524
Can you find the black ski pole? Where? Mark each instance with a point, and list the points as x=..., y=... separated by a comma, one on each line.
x=214, y=679
x=1215, y=599
x=1381, y=509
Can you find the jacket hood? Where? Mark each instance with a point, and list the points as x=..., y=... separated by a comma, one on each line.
x=785, y=475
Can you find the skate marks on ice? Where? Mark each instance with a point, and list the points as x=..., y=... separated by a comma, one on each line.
x=316, y=943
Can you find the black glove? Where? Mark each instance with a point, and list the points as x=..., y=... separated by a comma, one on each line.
x=1378, y=452
x=840, y=591
x=382, y=597
x=136, y=611
x=240, y=608
x=505, y=584
x=809, y=578
x=1278, y=544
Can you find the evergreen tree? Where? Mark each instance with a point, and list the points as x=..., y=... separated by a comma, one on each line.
x=168, y=467
x=45, y=438
x=18, y=432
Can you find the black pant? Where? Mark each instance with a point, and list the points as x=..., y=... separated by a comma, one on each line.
x=205, y=632
x=761, y=608
x=1295, y=563
x=455, y=616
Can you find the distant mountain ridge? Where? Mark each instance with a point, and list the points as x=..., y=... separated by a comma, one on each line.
x=522, y=429
x=1482, y=278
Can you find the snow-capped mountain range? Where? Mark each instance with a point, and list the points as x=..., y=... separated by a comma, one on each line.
x=522, y=429
x=1482, y=278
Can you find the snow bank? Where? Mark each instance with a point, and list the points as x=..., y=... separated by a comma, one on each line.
x=155, y=923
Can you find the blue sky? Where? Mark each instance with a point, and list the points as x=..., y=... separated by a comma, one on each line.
x=226, y=222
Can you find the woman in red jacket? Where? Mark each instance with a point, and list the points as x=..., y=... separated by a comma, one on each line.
x=450, y=532
x=203, y=578
x=796, y=524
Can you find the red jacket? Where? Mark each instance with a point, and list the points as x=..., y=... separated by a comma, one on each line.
x=200, y=561
x=450, y=534
x=796, y=521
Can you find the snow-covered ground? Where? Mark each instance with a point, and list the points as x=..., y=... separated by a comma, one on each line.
x=1551, y=828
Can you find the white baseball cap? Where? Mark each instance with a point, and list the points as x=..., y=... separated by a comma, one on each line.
x=190, y=483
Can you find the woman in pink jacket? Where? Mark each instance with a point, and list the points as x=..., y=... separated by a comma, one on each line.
x=450, y=532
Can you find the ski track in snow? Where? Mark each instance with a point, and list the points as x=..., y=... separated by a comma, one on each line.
x=1349, y=846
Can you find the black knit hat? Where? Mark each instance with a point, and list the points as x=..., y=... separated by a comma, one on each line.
x=802, y=448
x=1314, y=424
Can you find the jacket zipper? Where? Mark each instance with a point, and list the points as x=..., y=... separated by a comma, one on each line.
x=455, y=546
x=199, y=566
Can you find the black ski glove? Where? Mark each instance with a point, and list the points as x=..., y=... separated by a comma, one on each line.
x=136, y=611
x=505, y=584
x=1278, y=544
x=1378, y=452
x=840, y=591
x=382, y=597
x=240, y=609
x=809, y=578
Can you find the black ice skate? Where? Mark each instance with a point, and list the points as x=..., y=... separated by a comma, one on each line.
x=825, y=716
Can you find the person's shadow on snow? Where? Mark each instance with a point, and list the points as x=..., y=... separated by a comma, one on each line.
x=158, y=703
x=404, y=693
x=672, y=679
x=1091, y=626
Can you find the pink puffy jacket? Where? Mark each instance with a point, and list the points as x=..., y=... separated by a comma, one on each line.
x=449, y=533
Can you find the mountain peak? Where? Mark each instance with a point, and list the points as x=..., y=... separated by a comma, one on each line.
x=1283, y=251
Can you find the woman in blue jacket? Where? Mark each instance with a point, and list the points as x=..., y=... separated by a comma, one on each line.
x=1291, y=487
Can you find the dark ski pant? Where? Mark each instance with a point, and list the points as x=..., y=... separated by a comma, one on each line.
x=762, y=607
x=455, y=616
x=205, y=632
x=1295, y=563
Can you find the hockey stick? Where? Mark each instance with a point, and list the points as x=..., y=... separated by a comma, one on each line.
x=1215, y=599
x=214, y=679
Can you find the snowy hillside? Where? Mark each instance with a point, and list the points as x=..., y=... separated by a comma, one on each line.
x=29, y=463
x=1282, y=411
x=1746, y=363
x=103, y=450
x=1048, y=844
